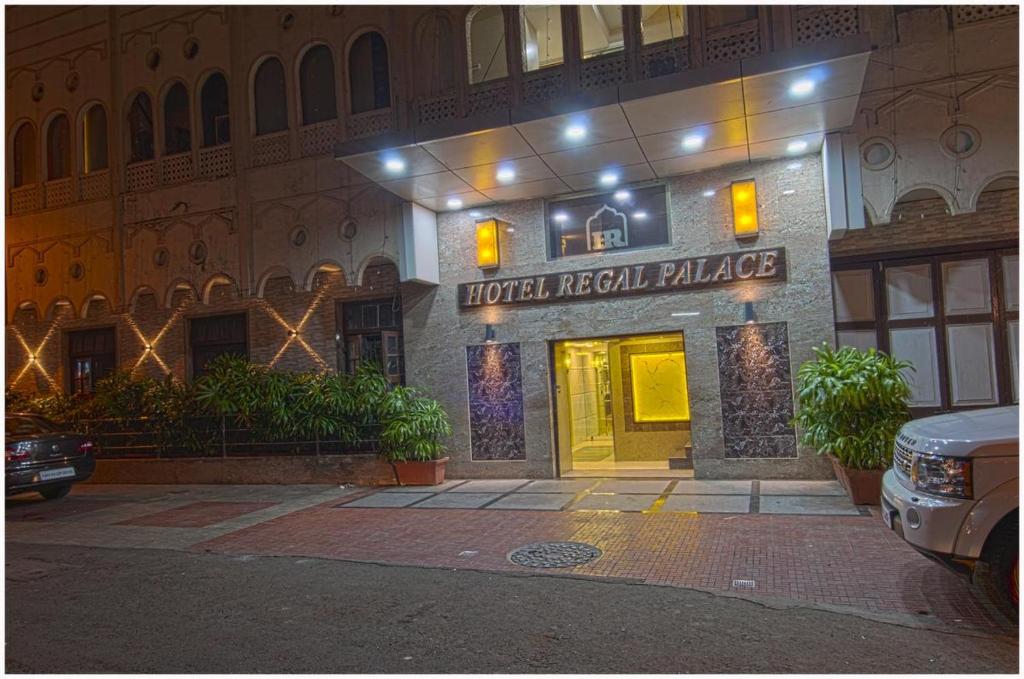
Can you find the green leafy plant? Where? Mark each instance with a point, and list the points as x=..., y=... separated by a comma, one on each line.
x=411, y=426
x=122, y=396
x=852, y=404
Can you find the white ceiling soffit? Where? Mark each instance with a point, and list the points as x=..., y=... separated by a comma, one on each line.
x=781, y=112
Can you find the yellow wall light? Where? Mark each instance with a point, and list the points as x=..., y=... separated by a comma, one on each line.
x=744, y=208
x=488, y=255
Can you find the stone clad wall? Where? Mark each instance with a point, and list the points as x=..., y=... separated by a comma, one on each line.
x=436, y=332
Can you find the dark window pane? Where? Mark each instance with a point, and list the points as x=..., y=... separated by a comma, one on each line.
x=58, y=148
x=269, y=95
x=316, y=85
x=369, y=78
x=214, y=107
x=140, y=128
x=25, y=155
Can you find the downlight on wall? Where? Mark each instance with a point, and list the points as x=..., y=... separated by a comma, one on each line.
x=488, y=254
x=744, y=208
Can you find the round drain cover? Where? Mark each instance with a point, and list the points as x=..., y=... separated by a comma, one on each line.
x=554, y=554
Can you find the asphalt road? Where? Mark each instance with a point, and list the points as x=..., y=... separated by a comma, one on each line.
x=77, y=609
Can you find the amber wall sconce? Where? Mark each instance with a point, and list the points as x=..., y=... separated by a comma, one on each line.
x=744, y=208
x=488, y=254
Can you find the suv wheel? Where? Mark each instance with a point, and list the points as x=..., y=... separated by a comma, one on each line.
x=1001, y=557
x=55, y=492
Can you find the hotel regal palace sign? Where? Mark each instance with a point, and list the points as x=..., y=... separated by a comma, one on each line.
x=674, y=275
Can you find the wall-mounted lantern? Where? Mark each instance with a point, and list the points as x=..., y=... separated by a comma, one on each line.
x=744, y=208
x=488, y=255
x=749, y=315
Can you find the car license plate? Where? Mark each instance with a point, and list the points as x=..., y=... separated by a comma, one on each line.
x=51, y=474
x=887, y=516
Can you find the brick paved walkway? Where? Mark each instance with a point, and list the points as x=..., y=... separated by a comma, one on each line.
x=840, y=560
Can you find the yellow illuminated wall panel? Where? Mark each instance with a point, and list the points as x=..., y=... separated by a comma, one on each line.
x=744, y=208
x=659, y=387
x=487, y=255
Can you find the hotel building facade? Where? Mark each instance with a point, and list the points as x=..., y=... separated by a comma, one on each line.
x=603, y=237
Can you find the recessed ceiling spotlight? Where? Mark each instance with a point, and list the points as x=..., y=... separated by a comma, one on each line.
x=575, y=132
x=394, y=165
x=789, y=192
x=454, y=203
x=802, y=87
x=510, y=229
x=639, y=214
x=505, y=174
x=709, y=193
x=693, y=142
x=622, y=195
x=560, y=217
x=475, y=213
x=798, y=146
x=677, y=314
x=794, y=166
x=609, y=178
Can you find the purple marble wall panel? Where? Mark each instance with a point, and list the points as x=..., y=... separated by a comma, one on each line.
x=757, y=390
x=496, y=418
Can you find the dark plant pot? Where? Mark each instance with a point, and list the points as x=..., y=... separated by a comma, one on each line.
x=864, y=486
x=429, y=473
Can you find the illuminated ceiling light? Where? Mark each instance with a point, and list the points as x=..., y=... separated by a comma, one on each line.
x=509, y=229
x=802, y=87
x=708, y=193
x=639, y=214
x=505, y=175
x=678, y=314
x=454, y=203
x=622, y=196
x=394, y=165
x=798, y=146
x=609, y=179
x=575, y=132
x=560, y=217
x=475, y=213
x=693, y=142
x=794, y=166
x=744, y=208
x=789, y=192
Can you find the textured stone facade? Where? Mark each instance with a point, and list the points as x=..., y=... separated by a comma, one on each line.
x=791, y=215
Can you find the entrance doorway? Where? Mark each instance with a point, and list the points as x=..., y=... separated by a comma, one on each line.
x=622, y=405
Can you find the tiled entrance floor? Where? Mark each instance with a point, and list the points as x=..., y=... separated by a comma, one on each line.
x=650, y=496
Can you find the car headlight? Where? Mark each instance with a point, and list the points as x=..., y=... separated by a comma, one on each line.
x=949, y=476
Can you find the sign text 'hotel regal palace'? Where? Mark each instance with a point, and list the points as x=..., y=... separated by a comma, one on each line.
x=675, y=275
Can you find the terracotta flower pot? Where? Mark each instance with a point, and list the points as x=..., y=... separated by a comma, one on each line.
x=864, y=486
x=428, y=473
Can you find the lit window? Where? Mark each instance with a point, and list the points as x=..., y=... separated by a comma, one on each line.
x=541, y=35
x=485, y=31
x=600, y=30
x=662, y=22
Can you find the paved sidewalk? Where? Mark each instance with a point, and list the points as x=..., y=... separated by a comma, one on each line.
x=649, y=496
x=847, y=560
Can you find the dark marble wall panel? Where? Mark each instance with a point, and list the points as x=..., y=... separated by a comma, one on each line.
x=496, y=418
x=757, y=390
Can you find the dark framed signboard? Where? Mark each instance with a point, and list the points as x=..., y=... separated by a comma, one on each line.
x=626, y=219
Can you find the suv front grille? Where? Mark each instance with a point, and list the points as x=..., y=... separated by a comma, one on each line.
x=902, y=459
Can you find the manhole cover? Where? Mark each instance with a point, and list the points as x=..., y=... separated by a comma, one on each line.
x=554, y=554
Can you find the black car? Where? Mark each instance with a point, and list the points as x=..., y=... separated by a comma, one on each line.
x=44, y=458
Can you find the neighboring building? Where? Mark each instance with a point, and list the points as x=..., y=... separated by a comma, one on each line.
x=603, y=237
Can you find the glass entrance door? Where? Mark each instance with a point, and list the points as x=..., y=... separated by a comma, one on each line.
x=622, y=404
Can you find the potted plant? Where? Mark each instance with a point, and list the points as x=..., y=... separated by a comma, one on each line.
x=851, y=405
x=411, y=429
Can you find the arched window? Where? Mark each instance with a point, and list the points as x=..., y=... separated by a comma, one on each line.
x=434, y=66
x=316, y=85
x=94, y=139
x=58, y=148
x=368, y=74
x=177, y=127
x=213, y=102
x=485, y=37
x=24, y=155
x=140, y=128
x=269, y=96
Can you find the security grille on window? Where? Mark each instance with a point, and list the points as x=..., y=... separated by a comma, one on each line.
x=213, y=336
x=626, y=219
x=91, y=357
x=372, y=331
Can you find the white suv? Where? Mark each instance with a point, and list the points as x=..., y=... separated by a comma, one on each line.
x=952, y=494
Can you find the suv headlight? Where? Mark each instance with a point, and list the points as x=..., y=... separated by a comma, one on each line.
x=949, y=476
